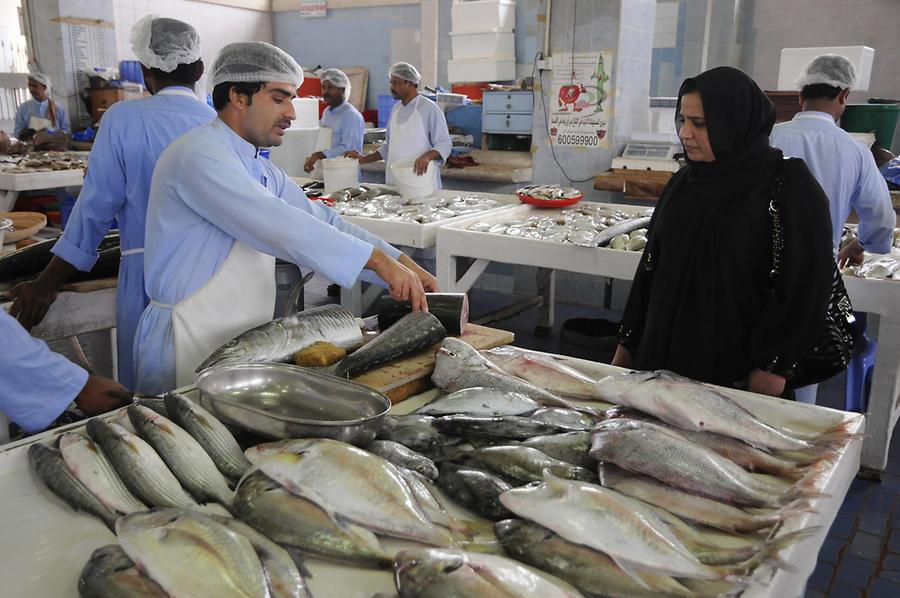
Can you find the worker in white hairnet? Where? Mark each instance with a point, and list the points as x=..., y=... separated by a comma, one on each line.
x=844, y=168
x=41, y=112
x=220, y=214
x=131, y=138
x=341, y=119
x=416, y=131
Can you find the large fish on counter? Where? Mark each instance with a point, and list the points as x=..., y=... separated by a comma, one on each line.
x=690, y=405
x=279, y=339
x=545, y=371
x=412, y=333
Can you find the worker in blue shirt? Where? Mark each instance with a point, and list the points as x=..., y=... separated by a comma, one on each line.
x=39, y=384
x=219, y=216
x=41, y=112
x=844, y=168
x=117, y=186
x=341, y=118
x=416, y=130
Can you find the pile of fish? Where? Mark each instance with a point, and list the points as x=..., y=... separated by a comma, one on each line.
x=42, y=162
x=549, y=192
x=588, y=225
x=385, y=204
x=881, y=268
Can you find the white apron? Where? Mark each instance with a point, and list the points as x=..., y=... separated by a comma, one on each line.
x=240, y=296
x=323, y=142
x=408, y=140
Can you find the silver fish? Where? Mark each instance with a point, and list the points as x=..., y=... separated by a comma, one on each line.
x=49, y=465
x=417, y=433
x=442, y=573
x=691, y=506
x=527, y=464
x=212, y=434
x=458, y=365
x=220, y=562
x=88, y=463
x=109, y=573
x=480, y=401
x=514, y=427
x=296, y=522
x=690, y=405
x=644, y=448
x=279, y=339
x=544, y=371
x=565, y=419
x=404, y=457
x=139, y=466
x=571, y=447
x=184, y=456
x=475, y=489
x=282, y=575
x=412, y=333
x=605, y=236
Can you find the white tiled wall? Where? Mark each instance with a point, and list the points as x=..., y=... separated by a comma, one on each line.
x=218, y=25
x=666, y=33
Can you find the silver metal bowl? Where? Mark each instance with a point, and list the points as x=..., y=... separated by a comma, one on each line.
x=279, y=400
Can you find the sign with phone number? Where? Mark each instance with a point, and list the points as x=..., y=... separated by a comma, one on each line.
x=579, y=106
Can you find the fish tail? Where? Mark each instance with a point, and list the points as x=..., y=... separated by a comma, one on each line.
x=835, y=438
x=795, y=507
x=768, y=554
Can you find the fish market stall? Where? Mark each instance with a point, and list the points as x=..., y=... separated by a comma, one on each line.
x=39, y=171
x=47, y=545
x=418, y=230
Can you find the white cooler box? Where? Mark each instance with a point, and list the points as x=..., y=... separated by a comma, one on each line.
x=492, y=44
x=481, y=69
x=473, y=15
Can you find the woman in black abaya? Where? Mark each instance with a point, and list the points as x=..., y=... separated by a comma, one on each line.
x=699, y=304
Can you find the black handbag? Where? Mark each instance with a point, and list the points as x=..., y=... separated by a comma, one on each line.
x=833, y=349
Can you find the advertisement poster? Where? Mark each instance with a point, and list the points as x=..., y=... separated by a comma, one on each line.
x=580, y=103
x=312, y=8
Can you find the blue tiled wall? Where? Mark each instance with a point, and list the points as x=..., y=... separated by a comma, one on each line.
x=348, y=37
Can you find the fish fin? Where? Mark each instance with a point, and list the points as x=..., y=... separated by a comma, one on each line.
x=293, y=304
x=299, y=560
x=768, y=553
x=555, y=483
x=628, y=570
x=835, y=438
x=484, y=547
x=796, y=507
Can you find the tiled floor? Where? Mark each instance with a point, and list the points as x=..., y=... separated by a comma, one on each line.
x=861, y=554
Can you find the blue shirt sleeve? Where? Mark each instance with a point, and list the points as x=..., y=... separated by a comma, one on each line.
x=102, y=196
x=348, y=134
x=21, y=119
x=872, y=202
x=62, y=118
x=38, y=384
x=438, y=134
x=249, y=212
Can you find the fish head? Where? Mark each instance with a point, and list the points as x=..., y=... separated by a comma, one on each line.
x=617, y=385
x=141, y=522
x=142, y=418
x=454, y=357
x=101, y=431
x=511, y=532
x=72, y=439
x=415, y=570
x=108, y=560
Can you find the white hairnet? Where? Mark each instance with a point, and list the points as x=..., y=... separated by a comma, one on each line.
x=40, y=78
x=829, y=69
x=255, y=61
x=405, y=71
x=337, y=78
x=161, y=43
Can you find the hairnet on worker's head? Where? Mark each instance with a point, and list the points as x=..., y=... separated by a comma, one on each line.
x=337, y=78
x=40, y=78
x=405, y=71
x=161, y=43
x=828, y=69
x=244, y=62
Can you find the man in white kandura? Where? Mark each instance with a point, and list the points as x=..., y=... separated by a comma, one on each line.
x=219, y=215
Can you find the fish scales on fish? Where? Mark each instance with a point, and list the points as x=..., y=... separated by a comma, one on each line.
x=418, y=433
x=476, y=489
x=644, y=448
x=526, y=464
x=405, y=457
x=544, y=371
x=693, y=406
x=109, y=573
x=278, y=340
x=49, y=465
x=140, y=467
x=411, y=334
x=514, y=427
x=479, y=401
x=443, y=573
x=212, y=434
x=88, y=463
x=571, y=447
x=221, y=562
x=299, y=523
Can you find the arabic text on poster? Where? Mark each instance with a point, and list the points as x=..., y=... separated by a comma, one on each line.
x=579, y=102
x=313, y=8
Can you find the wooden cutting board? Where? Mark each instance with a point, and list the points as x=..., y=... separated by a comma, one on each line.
x=407, y=377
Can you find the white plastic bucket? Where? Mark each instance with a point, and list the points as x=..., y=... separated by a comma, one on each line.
x=411, y=185
x=340, y=173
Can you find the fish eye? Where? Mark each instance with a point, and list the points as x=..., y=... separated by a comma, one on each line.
x=452, y=567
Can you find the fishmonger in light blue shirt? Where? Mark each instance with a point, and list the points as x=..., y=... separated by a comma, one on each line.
x=42, y=107
x=344, y=120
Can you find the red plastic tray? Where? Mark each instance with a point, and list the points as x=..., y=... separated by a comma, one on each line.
x=549, y=203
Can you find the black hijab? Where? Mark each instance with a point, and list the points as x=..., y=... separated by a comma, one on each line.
x=739, y=118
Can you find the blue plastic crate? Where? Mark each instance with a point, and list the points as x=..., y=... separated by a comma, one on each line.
x=385, y=105
x=468, y=119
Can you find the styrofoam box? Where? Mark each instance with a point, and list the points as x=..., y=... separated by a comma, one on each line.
x=794, y=60
x=307, y=110
x=494, y=44
x=467, y=71
x=483, y=14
